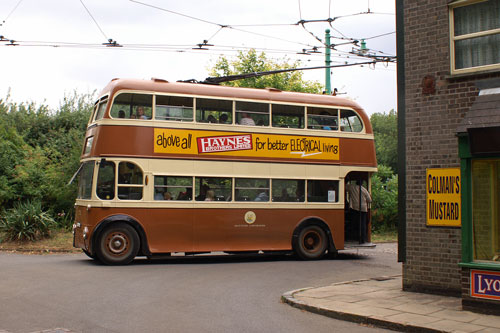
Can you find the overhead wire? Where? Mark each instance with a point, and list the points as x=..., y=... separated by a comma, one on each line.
x=95, y=21
x=219, y=48
x=11, y=12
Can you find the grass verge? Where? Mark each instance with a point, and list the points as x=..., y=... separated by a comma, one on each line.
x=385, y=236
x=60, y=241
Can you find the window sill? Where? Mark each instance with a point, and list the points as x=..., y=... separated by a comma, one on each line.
x=481, y=265
x=478, y=73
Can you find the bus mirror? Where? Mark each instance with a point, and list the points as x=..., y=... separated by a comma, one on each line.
x=103, y=162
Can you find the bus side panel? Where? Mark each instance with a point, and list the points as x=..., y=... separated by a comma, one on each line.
x=169, y=230
x=357, y=152
x=227, y=230
x=166, y=230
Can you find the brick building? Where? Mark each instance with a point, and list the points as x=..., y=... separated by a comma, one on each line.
x=449, y=127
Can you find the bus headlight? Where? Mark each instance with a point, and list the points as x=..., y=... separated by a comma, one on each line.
x=75, y=226
x=85, y=232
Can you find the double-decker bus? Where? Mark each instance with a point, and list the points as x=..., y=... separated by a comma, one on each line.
x=189, y=168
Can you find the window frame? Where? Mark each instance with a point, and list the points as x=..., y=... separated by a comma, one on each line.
x=454, y=39
x=495, y=238
x=120, y=185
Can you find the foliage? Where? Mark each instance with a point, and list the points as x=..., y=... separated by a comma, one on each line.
x=39, y=152
x=385, y=199
x=385, y=128
x=26, y=221
x=251, y=61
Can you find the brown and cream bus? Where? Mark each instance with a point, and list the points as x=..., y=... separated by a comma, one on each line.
x=193, y=168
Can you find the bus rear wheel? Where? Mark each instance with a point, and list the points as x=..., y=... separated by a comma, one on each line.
x=311, y=243
x=118, y=244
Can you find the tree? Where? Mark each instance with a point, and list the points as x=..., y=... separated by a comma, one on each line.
x=251, y=62
x=39, y=152
x=385, y=129
x=385, y=199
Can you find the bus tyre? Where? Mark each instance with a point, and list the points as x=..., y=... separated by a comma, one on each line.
x=311, y=243
x=118, y=244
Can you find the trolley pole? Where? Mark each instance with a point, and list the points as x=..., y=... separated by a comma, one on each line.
x=328, y=85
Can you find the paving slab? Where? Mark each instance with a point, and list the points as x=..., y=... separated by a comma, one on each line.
x=381, y=302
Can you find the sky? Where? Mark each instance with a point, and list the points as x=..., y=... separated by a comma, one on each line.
x=57, y=45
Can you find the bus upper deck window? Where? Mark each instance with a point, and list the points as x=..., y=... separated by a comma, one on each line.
x=132, y=106
x=322, y=118
x=290, y=116
x=100, y=109
x=350, y=121
x=252, y=114
x=130, y=180
x=174, y=108
x=214, y=111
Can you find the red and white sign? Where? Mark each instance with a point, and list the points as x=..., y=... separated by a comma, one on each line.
x=217, y=144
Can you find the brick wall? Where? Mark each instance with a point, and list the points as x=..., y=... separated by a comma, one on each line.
x=432, y=117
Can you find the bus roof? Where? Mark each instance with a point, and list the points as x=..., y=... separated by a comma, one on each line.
x=268, y=94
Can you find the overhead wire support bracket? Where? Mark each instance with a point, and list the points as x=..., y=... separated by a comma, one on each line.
x=202, y=46
x=112, y=43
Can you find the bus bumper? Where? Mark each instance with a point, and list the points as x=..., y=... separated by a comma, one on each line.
x=80, y=236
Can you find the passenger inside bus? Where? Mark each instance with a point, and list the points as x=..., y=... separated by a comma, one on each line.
x=203, y=193
x=187, y=195
x=246, y=120
x=210, y=196
x=223, y=118
x=263, y=195
x=358, y=210
x=140, y=113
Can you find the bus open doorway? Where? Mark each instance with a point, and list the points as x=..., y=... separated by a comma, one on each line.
x=357, y=210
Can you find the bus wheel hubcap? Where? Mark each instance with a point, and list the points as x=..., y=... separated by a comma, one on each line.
x=312, y=241
x=117, y=243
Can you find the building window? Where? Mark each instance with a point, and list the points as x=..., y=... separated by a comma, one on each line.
x=486, y=209
x=475, y=35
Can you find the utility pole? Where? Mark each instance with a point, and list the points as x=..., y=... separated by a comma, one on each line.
x=328, y=85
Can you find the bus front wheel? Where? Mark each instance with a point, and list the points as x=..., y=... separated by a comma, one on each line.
x=118, y=244
x=311, y=243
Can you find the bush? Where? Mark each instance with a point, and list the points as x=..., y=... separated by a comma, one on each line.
x=26, y=221
x=40, y=150
x=385, y=199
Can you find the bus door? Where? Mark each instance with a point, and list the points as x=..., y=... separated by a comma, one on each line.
x=357, y=209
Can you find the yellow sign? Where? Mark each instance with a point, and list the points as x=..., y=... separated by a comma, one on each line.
x=443, y=197
x=193, y=142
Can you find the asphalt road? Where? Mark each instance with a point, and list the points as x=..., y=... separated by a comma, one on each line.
x=180, y=294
